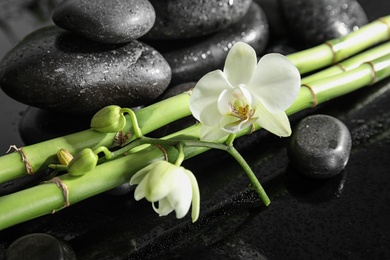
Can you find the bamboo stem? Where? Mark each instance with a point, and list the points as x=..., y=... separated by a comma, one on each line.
x=31, y=159
x=339, y=49
x=48, y=198
x=40, y=155
x=350, y=63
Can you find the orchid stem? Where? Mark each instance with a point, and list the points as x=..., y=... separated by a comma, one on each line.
x=251, y=175
x=181, y=156
x=230, y=139
x=134, y=121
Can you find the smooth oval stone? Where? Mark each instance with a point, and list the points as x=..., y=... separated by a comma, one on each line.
x=38, y=125
x=39, y=246
x=277, y=25
x=63, y=72
x=320, y=146
x=177, y=19
x=114, y=21
x=312, y=22
x=191, y=59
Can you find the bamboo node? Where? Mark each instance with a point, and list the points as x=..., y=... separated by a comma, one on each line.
x=65, y=191
x=313, y=94
x=382, y=20
x=29, y=168
x=342, y=67
x=334, y=51
x=373, y=71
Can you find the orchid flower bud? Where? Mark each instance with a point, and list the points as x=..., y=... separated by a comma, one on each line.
x=109, y=119
x=64, y=157
x=83, y=162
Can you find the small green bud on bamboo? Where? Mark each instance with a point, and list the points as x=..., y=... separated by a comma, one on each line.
x=83, y=162
x=109, y=119
x=64, y=157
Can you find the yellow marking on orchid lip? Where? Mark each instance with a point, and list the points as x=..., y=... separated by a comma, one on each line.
x=241, y=112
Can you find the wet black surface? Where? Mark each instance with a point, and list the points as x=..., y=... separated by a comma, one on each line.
x=343, y=217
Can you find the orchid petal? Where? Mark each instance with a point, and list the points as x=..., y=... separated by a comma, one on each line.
x=195, y=204
x=240, y=64
x=139, y=176
x=224, y=102
x=228, y=97
x=206, y=92
x=277, y=123
x=276, y=82
x=181, y=196
x=140, y=190
x=164, y=207
x=212, y=133
x=161, y=180
x=210, y=115
x=236, y=125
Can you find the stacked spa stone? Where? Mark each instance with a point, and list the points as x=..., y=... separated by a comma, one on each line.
x=125, y=52
x=195, y=36
x=91, y=58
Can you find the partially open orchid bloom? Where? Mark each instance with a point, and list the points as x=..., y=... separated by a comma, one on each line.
x=246, y=92
x=173, y=187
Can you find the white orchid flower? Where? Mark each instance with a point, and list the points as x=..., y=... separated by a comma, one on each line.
x=173, y=187
x=246, y=92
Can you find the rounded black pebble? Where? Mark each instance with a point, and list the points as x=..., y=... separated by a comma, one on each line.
x=62, y=72
x=320, y=146
x=312, y=22
x=114, y=21
x=38, y=125
x=39, y=246
x=191, y=59
x=183, y=19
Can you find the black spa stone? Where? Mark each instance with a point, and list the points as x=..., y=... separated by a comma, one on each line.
x=177, y=19
x=190, y=59
x=39, y=246
x=62, y=72
x=320, y=146
x=312, y=22
x=114, y=21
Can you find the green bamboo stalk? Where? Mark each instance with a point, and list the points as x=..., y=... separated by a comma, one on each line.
x=40, y=155
x=339, y=49
x=46, y=198
x=350, y=63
